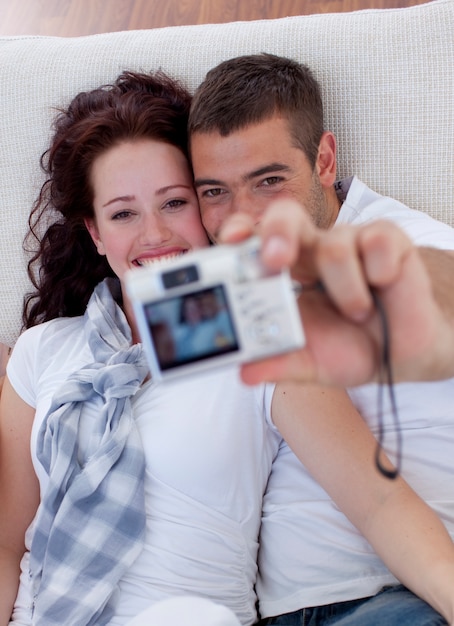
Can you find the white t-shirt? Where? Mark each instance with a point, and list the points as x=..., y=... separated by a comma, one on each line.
x=310, y=554
x=209, y=445
x=361, y=204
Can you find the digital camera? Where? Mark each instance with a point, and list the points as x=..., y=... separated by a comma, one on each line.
x=213, y=306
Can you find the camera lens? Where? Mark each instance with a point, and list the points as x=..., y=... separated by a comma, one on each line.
x=180, y=276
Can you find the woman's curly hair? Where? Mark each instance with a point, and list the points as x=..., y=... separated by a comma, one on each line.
x=65, y=267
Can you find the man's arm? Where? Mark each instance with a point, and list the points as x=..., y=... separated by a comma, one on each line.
x=342, y=326
x=336, y=446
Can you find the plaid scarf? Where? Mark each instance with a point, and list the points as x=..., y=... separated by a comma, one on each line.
x=90, y=525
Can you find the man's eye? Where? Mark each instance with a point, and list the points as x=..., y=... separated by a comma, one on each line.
x=213, y=193
x=271, y=180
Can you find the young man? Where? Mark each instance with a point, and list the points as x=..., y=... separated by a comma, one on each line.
x=257, y=137
x=243, y=163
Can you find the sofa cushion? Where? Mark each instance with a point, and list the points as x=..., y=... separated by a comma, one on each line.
x=387, y=77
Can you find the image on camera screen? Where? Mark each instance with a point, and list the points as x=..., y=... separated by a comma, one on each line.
x=191, y=327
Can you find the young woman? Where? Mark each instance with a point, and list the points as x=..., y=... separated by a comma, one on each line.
x=118, y=493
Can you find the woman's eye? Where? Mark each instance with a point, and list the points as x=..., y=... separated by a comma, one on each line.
x=175, y=204
x=121, y=215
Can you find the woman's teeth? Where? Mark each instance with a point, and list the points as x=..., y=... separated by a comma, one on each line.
x=157, y=259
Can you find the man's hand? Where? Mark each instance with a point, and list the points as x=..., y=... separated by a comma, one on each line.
x=342, y=327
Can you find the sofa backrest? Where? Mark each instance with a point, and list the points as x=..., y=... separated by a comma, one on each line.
x=387, y=78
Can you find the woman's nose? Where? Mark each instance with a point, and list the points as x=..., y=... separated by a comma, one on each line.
x=154, y=229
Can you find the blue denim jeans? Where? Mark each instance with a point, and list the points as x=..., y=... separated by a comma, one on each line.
x=392, y=606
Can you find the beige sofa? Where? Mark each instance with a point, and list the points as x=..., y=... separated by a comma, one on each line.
x=387, y=77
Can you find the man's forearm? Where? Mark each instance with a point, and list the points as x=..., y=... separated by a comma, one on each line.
x=440, y=267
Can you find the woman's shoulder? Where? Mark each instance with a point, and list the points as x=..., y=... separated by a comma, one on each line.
x=43, y=350
x=54, y=330
x=50, y=338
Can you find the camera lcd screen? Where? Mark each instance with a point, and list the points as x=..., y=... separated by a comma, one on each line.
x=191, y=327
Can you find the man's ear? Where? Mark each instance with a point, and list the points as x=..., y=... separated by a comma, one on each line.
x=90, y=224
x=326, y=159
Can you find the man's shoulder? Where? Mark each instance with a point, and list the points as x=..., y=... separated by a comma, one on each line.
x=362, y=205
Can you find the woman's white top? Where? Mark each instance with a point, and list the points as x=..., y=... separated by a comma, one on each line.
x=209, y=445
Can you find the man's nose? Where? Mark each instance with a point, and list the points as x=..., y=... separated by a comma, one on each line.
x=245, y=202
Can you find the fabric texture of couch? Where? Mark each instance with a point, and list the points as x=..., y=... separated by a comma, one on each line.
x=388, y=84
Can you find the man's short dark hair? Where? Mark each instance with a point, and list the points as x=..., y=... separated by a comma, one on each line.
x=250, y=89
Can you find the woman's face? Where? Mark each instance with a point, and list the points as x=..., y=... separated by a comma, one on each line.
x=145, y=205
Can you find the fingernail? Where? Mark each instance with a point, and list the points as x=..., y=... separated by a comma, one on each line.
x=275, y=247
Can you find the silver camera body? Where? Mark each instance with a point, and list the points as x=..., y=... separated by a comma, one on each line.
x=211, y=307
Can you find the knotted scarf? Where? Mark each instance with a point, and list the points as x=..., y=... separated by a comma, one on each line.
x=90, y=524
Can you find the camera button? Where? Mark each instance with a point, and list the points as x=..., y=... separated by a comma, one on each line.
x=262, y=331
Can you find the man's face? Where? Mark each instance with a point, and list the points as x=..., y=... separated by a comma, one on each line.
x=251, y=167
